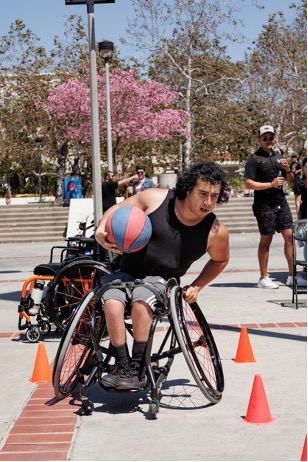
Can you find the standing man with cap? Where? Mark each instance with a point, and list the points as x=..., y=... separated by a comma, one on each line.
x=265, y=173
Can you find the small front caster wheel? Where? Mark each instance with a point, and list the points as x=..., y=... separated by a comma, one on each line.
x=87, y=407
x=153, y=409
x=33, y=334
x=44, y=327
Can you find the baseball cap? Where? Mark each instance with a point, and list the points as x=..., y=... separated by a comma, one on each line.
x=266, y=129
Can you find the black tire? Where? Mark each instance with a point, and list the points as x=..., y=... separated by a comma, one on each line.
x=198, y=346
x=33, y=334
x=44, y=327
x=68, y=288
x=76, y=346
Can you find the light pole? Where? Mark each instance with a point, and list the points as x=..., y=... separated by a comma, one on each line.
x=39, y=142
x=96, y=166
x=106, y=51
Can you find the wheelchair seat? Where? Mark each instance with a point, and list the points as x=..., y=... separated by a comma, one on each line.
x=48, y=269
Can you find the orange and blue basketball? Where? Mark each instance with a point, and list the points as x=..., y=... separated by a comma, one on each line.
x=129, y=228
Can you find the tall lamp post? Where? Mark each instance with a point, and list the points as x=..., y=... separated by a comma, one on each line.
x=39, y=142
x=96, y=165
x=106, y=49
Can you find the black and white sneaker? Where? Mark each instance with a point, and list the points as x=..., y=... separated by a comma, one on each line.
x=125, y=378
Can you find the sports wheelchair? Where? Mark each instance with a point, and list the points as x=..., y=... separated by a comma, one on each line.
x=56, y=288
x=85, y=352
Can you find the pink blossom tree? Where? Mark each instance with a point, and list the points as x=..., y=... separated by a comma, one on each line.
x=140, y=109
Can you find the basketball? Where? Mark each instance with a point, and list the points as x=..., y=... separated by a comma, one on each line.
x=129, y=228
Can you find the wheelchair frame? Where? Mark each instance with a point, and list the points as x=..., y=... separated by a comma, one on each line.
x=65, y=283
x=299, y=235
x=85, y=353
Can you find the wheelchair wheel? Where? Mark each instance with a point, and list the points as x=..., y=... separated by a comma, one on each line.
x=198, y=346
x=33, y=334
x=44, y=327
x=76, y=346
x=68, y=288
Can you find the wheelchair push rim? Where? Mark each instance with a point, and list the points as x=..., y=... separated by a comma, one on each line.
x=76, y=346
x=198, y=346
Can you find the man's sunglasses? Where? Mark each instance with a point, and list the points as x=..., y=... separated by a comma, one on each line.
x=140, y=171
x=265, y=138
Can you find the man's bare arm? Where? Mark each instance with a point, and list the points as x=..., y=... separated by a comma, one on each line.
x=219, y=252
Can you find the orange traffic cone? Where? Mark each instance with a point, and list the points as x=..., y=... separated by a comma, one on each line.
x=41, y=371
x=244, y=353
x=304, y=452
x=258, y=411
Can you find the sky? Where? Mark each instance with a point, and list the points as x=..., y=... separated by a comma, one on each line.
x=46, y=18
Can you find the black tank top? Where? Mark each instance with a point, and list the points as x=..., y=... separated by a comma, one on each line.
x=173, y=246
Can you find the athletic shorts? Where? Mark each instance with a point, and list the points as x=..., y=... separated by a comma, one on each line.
x=271, y=219
x=138, y=293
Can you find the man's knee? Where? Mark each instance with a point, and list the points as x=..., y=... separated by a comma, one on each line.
x=140, y=307
x=113, y=309
x=266, y=240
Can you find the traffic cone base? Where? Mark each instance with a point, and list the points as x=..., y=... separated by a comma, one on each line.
x=304, y=452
x=244, y=352
x=41, y=372
x=258, y=411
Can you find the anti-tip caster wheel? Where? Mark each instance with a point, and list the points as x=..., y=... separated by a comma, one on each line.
x=44, y=327
x=153, y=409
x=87, y=407
x=33, y=334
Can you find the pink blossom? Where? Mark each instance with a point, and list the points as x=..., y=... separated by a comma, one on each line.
x=140, y=109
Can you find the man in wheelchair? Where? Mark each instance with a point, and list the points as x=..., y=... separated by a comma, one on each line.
x=184, y=228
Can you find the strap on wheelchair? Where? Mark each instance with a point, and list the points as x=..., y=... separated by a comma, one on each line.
x=128, y=286
x=160, y=297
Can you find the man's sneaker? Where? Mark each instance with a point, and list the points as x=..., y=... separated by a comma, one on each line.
x=125, y=378
x=301, y=282
x=267, y=283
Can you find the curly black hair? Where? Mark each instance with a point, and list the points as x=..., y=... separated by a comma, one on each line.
x=204, y=170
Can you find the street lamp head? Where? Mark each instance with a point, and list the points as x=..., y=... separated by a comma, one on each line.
x=106, y=49
x=84, y=2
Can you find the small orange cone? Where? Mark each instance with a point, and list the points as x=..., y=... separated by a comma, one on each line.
x=304, y=452
x=258, y=411
x=244, y=353
x=41, y=371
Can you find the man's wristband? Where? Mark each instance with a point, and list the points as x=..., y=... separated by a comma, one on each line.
x=288, y=172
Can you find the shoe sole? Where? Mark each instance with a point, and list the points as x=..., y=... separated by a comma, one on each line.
x=291, y=285
x=260, y=287
x=124, y=386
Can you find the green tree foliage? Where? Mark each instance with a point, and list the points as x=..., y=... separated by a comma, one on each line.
x=277, y=76
x=27, y=74
x=227, y=101
x=187, y=39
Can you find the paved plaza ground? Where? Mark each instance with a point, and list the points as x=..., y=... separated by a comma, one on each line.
x=33, y=426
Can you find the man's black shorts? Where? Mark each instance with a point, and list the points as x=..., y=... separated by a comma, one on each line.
x=271, y=219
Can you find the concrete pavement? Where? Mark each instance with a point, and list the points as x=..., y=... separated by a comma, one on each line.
x=187, y=428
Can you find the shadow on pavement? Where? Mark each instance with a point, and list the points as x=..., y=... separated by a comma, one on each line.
x=178, y=394
x=263, y=333
x=11, y=296
x=10, y=272
x=242, y=285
